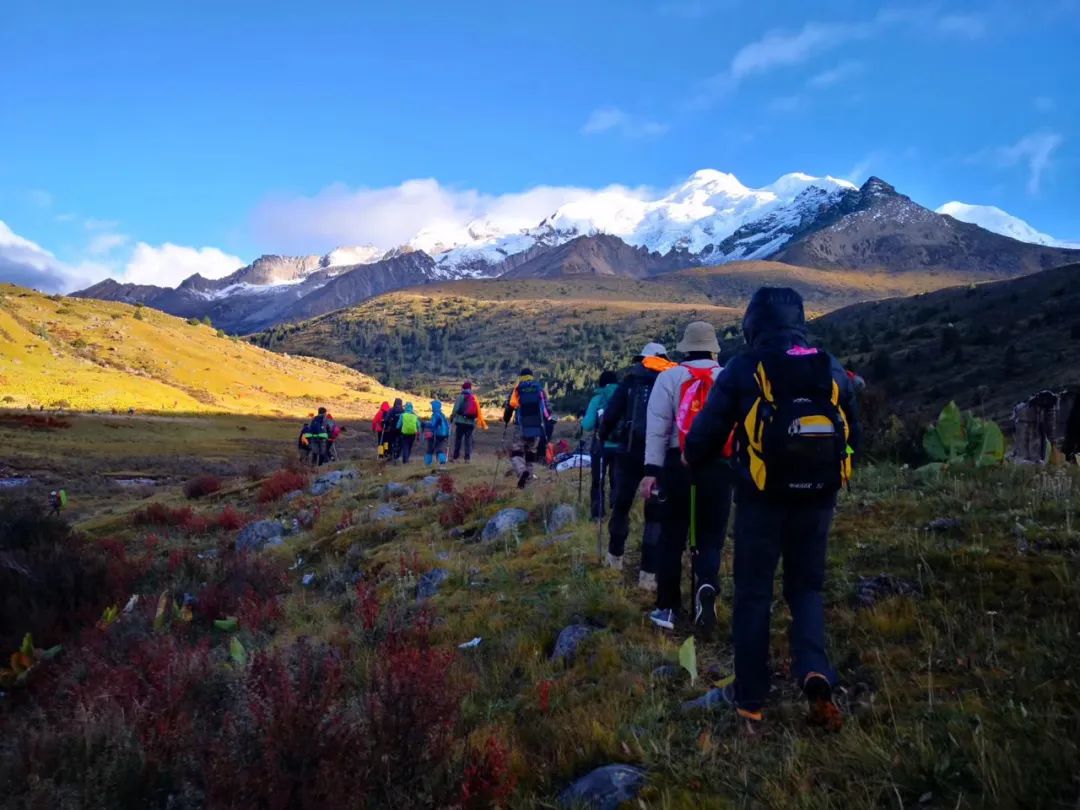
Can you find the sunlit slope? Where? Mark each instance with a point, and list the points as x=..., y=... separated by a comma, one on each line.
x=86, y=354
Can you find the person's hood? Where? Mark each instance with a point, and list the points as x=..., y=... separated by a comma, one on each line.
x=775, y=319
x=658, y=364
x=408, y=407
x=606, y=390
x=384, y=407
x=436, y=407
x=397, y=403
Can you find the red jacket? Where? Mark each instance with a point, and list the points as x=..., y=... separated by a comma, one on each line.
x=377, y=422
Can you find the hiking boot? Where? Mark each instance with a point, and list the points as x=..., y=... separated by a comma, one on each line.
x=663, y=618
x=523, y=480
x=613, y=561
x=705, y=610
x=647, y=582
x=824, y=713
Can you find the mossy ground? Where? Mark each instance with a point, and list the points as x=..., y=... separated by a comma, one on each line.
x=963, y=695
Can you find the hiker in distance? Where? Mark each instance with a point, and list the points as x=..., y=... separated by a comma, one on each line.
x=796, y=420
x=601, y=453
x=694, y=510
x=408, y=428
x=391, y=432
x=464, y=416
x=378, y=425
x=319, y=430
x=528, y=409
x=436, y=435
x=624, y=424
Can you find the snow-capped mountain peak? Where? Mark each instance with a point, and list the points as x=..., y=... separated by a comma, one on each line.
x=994, y=219
x=357, y=254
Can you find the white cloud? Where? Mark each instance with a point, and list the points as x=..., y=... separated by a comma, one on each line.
x=168, y=264
x=390, y=216
x=966, y=26
x=835, y=75
x=27, y=264
x=1033, y=152
x=104, y=243
x=92, y=224
x=613, y=119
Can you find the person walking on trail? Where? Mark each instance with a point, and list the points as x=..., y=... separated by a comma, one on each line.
x=464, y=416
x=378, y=425
x=528, y=409
x=331, y=443
x=695, y=510
x=409, y=428
x=602, y=453
x=436, y=433
x=57, y=501
x=391, y=431
x=795, y=416
x=625, y=421
x=303, y=442
x=319, y=436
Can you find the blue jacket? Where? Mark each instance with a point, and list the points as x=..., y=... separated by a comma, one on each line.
x=598, y=403
x=438, y=424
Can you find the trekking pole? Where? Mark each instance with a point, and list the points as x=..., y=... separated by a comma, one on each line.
x=693, y=547
x=600, y=520
x=580, y=468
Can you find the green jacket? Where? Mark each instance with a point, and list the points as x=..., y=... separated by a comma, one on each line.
x=599, y=402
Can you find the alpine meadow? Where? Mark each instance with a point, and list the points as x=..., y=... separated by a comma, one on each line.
x=577, y=406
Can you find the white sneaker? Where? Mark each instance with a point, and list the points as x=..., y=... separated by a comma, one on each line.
x=613, y=562
x=647, y=582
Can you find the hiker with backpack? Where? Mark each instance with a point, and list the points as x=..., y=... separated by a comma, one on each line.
x=601, y=453
x=624, y=424
x=319, y=436
x=408, y=426
x=305, y=439
x=436, y=434
x=694, y=510
x=378, y=424
x=464, y=415
x=796, y=421
x=57, y=501
x=528, y=409
x=391, y=431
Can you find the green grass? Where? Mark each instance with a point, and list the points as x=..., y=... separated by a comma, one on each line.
x=964, y=696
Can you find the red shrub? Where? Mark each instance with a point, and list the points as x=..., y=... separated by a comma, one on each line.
x=202, y=485
x=446, y=484
x=280, y=484
x=245, y=584
x=488, y=781
x=158, y=514
x=35, y=421
x=367, y=604
x=231, y=519
x=465, y=503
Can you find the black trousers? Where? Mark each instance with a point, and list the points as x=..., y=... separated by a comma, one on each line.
x=463, y=435
x=629, y=470
x=713, y=501
x=601, y=463
x=406, y=442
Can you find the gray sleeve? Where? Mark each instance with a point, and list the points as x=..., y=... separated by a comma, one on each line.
x=661, y=417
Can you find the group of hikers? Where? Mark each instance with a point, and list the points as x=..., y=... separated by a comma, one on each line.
x=775, y=430
x=396, y=428
x=318, y=438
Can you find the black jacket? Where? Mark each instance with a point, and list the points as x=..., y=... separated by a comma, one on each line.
x=774, y=323
x=616, y=406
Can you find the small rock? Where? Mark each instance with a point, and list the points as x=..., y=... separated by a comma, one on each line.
x=430, y=482
x=707, y=702
x=939, y=525
x=307, y=580
x=324, y=483
x=442, y=555
x=429, y=583
x=561, y=516
x=386, y=512
x=566, y=646
x=669, y=672
x=504, y=523
x=443, y=497
x=260, y=534
x=395, y=490
x=605, y=788
x=871, y=589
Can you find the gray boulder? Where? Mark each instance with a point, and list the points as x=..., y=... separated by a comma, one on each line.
x=606, y=788
x=429, y=583
x=561, y=516
x=386, y=512
x=260, y=534
x=504, y=523
x=430, y=482
x=395, y=490
x=566, y=645
x=326, y=482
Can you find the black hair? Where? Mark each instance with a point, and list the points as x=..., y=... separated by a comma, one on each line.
x=322, y=410
x=607, y=378
x=526, y=372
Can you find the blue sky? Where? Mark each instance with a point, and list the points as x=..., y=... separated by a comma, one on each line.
x=146, y=132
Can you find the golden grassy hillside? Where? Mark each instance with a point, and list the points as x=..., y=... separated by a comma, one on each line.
x=95, y=355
